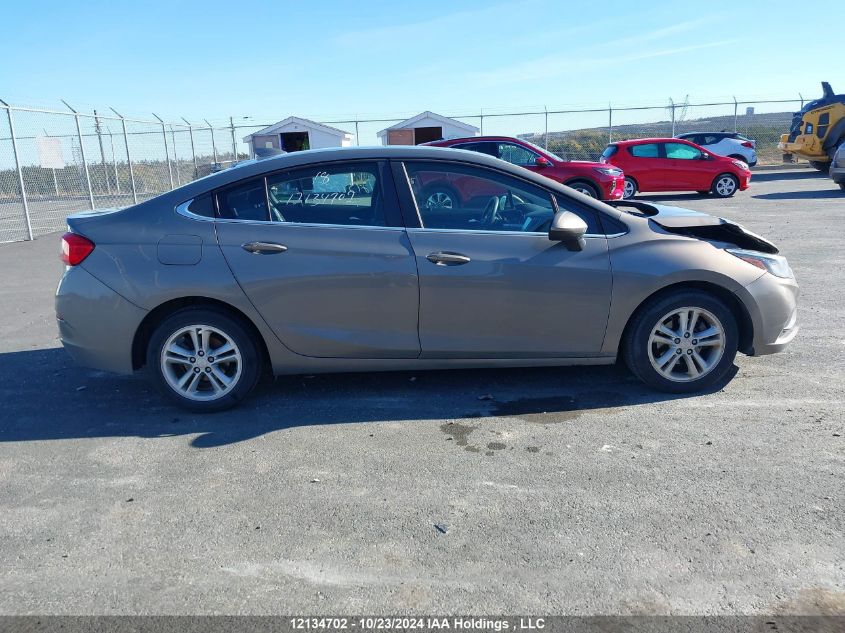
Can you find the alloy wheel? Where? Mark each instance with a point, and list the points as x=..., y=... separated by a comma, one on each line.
x=201, y=363
x=686, y=344
x=439, y=200
x=725, y=186
x=630, y=189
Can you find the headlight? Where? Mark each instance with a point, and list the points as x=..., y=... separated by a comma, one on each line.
x=608, y=171
x=775, y=264
x=740, y=164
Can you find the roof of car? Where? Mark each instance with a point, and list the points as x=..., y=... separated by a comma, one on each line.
x=638, y=141
x=474, y=139
x=686, y=134
x=304, y=158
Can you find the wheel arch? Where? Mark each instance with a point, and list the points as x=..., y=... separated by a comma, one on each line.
x=159, y=313
x=443, y=185
x=743, y=318
x=587, y=181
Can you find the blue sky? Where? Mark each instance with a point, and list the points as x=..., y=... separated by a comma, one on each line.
x=329, y=60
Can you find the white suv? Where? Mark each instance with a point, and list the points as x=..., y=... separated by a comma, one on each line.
x=729, y=144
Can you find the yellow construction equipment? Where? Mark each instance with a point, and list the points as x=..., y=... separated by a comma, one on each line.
x=818, y=130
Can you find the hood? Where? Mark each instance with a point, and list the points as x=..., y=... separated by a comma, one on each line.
x=696, y=224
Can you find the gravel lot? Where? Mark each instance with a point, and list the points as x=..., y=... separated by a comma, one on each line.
x=571, y=491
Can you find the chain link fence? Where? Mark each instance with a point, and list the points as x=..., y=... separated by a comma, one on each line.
x=53, y=163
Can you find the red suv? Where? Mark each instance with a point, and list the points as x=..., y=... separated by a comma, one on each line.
x=593, y=179
x=673, y=164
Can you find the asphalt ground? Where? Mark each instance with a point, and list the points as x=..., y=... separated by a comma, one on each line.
x=569, y=491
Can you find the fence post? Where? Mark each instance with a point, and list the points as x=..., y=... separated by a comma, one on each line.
x=800, y=96
x=82, y=154
x=234, y=143
x=736, y=113
x=114, y=161
x=193, y=151
x=18, y=167
x=213, y=144
x=128, y=156
x=609, y=123
x=546, y=133
x=175, y=155
x=672, y=105
x=357, y=136
x=166, y=149
x=481, y=119
x=99, y=132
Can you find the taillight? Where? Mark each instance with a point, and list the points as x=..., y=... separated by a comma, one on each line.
x=75, y=248
x=748, y=144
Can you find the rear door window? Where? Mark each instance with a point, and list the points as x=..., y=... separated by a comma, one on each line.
x=646, y=150
x=341, y=194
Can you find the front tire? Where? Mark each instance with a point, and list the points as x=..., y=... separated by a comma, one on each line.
x=630, y=189
x=725, y=185
x=682, y=343
x=203, y=360
x=584, y=187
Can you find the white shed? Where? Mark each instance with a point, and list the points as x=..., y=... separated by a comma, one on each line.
x=296, y=134
x=424, y=128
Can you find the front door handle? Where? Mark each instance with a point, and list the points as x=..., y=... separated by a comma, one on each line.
x=447, y=259
x=264, y=248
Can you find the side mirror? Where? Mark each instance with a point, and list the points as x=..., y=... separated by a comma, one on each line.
x=569, y=229
x=705, y=156
x=542, y=161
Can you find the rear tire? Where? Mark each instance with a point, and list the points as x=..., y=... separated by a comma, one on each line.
x=203, y=360
x=822, y=166
x=842, y=186
x=630, y=189
x=584, y=187
x=725, y=185
x=661, y=328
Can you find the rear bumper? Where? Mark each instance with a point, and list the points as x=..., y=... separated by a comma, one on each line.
x=772, y=304
x=96, y=325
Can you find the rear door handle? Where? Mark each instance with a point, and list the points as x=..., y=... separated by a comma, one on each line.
x=264, y=248
x=447, y=259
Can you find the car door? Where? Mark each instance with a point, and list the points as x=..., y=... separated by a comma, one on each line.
x=321, y=253
x=497, y=287
x=690, y=171
x=647, y=166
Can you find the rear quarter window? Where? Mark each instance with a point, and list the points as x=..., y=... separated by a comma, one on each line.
x=609, y=151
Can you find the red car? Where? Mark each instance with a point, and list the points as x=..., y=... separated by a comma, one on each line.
x=593, y=179
x=673, y=164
